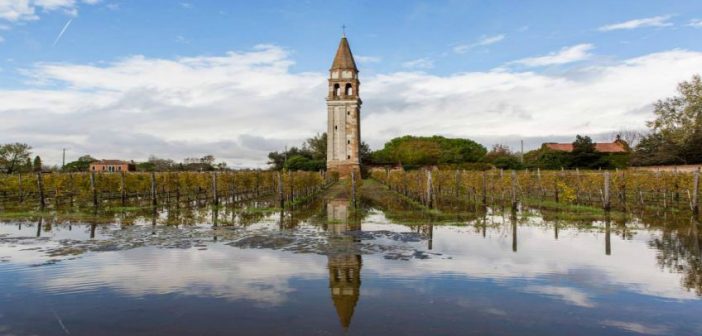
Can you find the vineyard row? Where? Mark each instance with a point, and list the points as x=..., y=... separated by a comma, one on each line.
x=95, y=188
x=620, y=189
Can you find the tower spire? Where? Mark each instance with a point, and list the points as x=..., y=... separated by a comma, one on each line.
x=344, y=58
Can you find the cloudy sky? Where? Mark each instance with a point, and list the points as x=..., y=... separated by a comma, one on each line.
x=237, y=79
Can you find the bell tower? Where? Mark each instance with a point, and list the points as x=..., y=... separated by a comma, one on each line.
x=343, y=114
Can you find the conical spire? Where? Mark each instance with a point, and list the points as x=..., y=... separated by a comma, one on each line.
x=345, y=305
x=344, y=58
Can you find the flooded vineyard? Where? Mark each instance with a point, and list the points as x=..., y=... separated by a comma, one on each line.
x=321, y=266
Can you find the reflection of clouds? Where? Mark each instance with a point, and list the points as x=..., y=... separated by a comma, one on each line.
x=576, y=255
x=638, y=327
x=24, y=253
x=567, y=294
x=221, y=271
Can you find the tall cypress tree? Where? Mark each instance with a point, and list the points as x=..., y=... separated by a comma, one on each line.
x=37, y=164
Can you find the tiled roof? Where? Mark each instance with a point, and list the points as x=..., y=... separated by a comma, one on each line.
x=602, y=147
x=344, y=58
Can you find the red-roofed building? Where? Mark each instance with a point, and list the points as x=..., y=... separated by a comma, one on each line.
x=618, y=146
x=111, y=166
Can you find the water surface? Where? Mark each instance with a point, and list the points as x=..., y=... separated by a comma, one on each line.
x=327, y=269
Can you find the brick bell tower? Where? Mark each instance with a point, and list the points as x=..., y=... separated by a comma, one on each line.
x=343, y=114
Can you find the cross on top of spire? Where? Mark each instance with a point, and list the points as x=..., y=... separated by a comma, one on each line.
x=343, y=30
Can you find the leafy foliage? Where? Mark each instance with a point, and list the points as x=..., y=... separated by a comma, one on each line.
x=80, y=165
x=36, y=166
x=583, y=155
x=14, y=157
x=312, y=156
x=676, y=132
x=502, y=157
x=413, y=150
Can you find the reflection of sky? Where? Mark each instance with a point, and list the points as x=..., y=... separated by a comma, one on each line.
x=469, y=272
x=220, y=271
x=578, y=256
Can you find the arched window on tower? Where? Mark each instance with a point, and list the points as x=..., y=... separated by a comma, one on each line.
x=337, y=90
x=349, y=89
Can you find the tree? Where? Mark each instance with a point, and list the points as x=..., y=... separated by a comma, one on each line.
x=80, y=165
x=208, y=159
x=583, y=154
x=312, y=156
x=677, y=129
x=502, y=157
x=27, y=167
x=630, y=136
x=37, y=164
x=679, y=117
x=158, y=164
x=299, y=162
x=546, y=158
x=13, y=155
x=416, y=151
x=366, y=155
x=317, y=146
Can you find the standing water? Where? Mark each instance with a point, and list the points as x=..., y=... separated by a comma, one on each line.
x=327, y=269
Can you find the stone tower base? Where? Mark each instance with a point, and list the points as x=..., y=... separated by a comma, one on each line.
x=345, y=169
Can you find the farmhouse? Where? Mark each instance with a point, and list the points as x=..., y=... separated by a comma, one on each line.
x=111, y=166
x=617, y=146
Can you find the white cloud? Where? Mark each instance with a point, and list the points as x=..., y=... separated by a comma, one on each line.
x=26, y=10
x=638, y=328
x=656, y=21
x=484, y=41
x=569, y=295
x=241, y=105
x=566, y=55
x=697, y=23
x=420, y=63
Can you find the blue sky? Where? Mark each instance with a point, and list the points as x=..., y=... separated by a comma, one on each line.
x=393, y=31
x=535, y=48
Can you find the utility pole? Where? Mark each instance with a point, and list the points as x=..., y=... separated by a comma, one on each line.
x=521, y=152
x=63, y=161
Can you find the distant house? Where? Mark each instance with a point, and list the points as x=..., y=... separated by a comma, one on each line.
x=618, y=146
x=111, y=166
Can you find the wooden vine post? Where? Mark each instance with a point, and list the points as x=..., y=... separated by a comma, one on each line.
x=215, y=196
x=19, y=188
x=457, y=187
x=153, y=189
x=607, y=204
x=123, y=188
x=429, y=190
x=40, y=186
x=515, y=203
x=485, y=187
x=93, y=189
x=695, y=192
x=281, y=197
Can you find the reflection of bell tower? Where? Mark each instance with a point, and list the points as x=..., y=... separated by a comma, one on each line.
x=343, y=262
x=343, y=113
